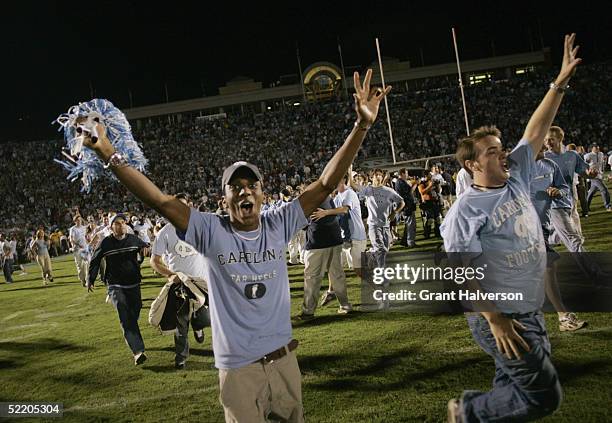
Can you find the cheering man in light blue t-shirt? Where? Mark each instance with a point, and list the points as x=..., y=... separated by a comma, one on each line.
x=496, y=218
x=246, y=270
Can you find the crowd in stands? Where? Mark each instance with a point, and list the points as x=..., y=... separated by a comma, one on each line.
x=292, y=145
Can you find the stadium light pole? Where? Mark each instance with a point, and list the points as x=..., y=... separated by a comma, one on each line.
x=382, y=79
x=467, y=125
x=344, y=80
x=297, y=52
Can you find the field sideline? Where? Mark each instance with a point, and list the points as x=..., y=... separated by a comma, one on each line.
x=59, y=343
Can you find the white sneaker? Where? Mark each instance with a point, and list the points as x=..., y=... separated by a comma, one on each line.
x=570, y=323
x=199, y=336
x=345, y=309
x=140, y=358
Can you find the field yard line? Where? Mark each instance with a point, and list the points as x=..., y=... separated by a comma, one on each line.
x=17, y=313
x=139, y=400
x=28, y=336
x=9, y=328
x=59, y=313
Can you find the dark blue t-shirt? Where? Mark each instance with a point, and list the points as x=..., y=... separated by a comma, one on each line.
x=325, y=232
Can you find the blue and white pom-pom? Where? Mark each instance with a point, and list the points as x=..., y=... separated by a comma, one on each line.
x=83, y=161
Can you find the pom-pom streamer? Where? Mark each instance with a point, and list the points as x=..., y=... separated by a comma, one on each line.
x=83, y=162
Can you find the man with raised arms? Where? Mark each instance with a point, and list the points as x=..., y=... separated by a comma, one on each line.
x=259, y=376
x=495, y=215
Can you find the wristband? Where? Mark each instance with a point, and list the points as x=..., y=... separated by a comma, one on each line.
x=558, y=88
x=116, y=160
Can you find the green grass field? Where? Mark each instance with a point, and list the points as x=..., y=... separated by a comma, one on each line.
x=59, y=343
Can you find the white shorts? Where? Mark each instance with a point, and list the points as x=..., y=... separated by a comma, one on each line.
x=357, y=247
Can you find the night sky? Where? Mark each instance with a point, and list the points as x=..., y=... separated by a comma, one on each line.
x=53, y=53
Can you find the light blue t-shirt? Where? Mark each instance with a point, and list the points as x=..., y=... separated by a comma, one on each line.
x=380, y=201
x=503, y=224
x=547, y=174
x=248, y=285
x=569, y=162
x=349, y=198
x=43, y=248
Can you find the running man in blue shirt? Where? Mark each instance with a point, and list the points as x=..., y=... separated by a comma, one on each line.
x=546, y=186
x=496, y=215
x=246, y=270
x=564, y=213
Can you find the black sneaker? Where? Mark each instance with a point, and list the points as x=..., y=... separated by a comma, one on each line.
x=326, y=298
x=199, y=336
x=140, y=358
x=305, y=317
x=180, y=365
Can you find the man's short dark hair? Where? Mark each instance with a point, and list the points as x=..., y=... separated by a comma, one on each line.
x=182, y=196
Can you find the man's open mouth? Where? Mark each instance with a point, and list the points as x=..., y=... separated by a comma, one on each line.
x=246, y=206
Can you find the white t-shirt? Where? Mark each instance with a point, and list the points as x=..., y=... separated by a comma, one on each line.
x=596, y=161
x=143, y=231
x=77, y=237
x=177, y=254
x=349, y=198
x=13, y=245
x=464, y=181
x=103, y=231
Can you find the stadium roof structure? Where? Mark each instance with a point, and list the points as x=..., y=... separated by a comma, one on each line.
x=243, y=90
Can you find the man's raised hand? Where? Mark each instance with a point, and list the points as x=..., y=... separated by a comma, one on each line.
x=367, y=99
x=570, y=61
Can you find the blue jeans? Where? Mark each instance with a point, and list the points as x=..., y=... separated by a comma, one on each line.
x=199, y=320
x=128, y=303
x=7, y=269
x=409, y=234
x=380, y=238
x=523, y=390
